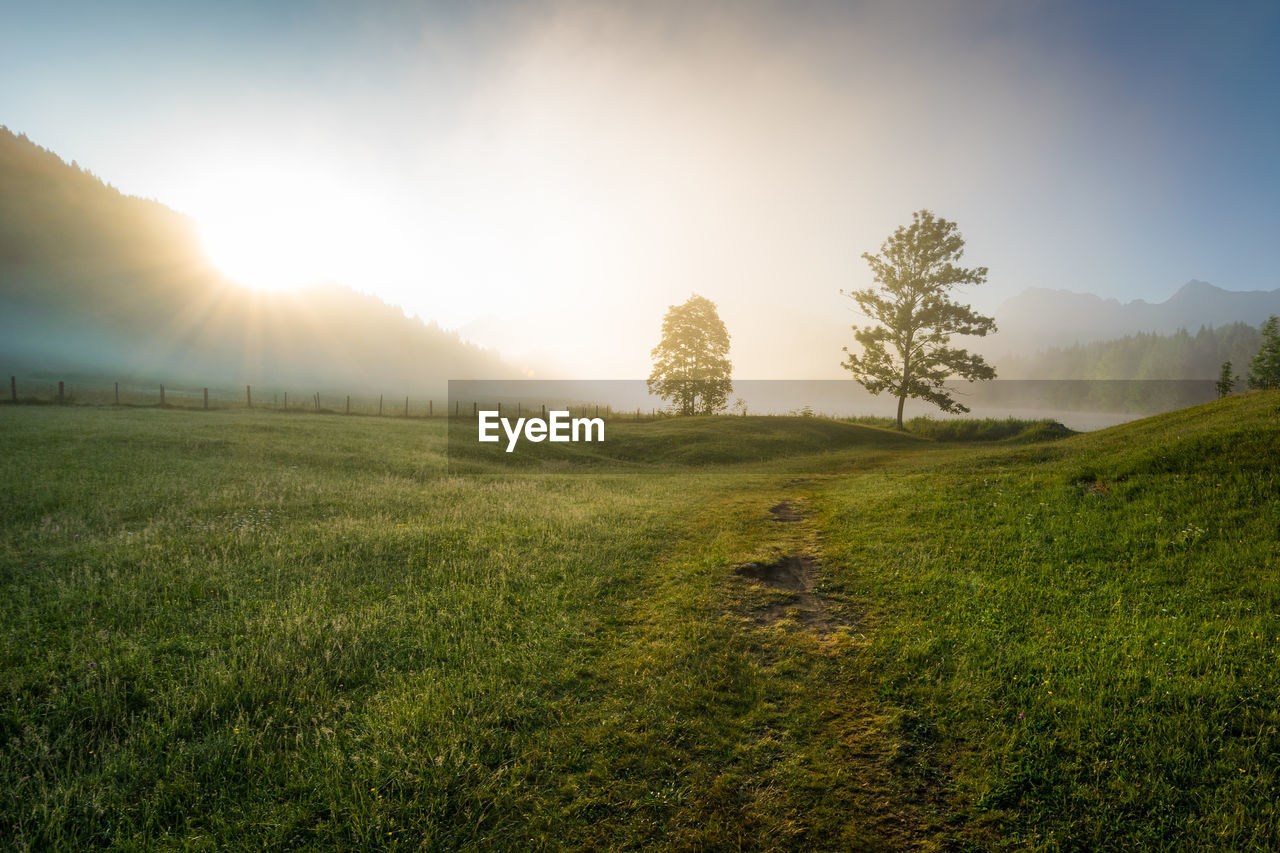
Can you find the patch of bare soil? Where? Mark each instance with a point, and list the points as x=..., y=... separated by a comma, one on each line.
x=785, y=511
x=793, y=575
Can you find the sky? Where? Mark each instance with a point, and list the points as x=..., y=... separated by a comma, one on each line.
x=549, y=177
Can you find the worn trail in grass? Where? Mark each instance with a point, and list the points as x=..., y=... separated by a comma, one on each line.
x=237, y=630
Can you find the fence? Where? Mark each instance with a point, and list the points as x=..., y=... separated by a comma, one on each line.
x=90, y=392
x=1080, y=404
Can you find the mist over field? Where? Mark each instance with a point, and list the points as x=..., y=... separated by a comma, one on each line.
x=102, y=287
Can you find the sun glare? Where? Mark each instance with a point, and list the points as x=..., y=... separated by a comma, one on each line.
x=273, y=243
x=259, y=259
x=281, y=229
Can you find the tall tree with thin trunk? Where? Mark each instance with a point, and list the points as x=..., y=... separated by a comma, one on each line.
x=906, y=350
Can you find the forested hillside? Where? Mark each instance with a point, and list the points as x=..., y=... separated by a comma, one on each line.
x=92, y=280
x=1181, y=355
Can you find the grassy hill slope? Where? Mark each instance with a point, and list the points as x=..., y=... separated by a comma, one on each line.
x=1084, y=637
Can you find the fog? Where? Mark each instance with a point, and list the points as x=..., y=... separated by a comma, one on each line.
x=1081, y=405
x=547, y=178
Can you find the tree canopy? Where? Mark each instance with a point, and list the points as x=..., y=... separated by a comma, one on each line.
x=906, y=350
x=1264, y=371
x=691, y=365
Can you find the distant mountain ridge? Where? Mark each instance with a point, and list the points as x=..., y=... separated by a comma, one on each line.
x=94, y=280
x=1039, y=318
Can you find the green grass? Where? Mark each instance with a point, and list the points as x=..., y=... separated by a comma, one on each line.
x=239, y=630
x=973, y=429
x=1083, y=637
x=673, y=445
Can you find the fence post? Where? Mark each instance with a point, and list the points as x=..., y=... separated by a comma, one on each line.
x=456, y=404
x=117, y=394
x=61, y=398
x=475, y=407
x=248, y=396
x=379, y=405
x=13, y=388
x=431, y=408
x=317, y=402
x=544, y=411
x=406, y=407
x=206, y=398
x=348, y=404
x=286, y=401
x=162, y=396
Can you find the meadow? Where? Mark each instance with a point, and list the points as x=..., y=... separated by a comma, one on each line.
x=265, y=630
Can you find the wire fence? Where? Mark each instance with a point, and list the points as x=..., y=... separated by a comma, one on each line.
x=1080, y=404
x=91, y=392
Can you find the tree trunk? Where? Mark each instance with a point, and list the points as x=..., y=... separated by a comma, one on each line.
x=906, y=374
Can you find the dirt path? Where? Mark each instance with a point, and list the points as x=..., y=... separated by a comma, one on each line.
x=855, y=751
x=790, y=581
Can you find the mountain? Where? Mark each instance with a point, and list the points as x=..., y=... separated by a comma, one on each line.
x=95, y=281
x=1039, y=318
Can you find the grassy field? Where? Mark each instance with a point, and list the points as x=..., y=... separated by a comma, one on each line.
x=239, y=630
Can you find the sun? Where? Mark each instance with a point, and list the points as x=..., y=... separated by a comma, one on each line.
x=281, y=225
x=255, y=258
x=270, y=244
x=291, y=225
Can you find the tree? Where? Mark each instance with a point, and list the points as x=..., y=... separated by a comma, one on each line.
x=691, y=365
x=1264, y=371
x=1226, y=382
x=907, y=352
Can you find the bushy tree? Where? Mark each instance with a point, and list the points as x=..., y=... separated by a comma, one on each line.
x=1264, y=372
x=906, y=352
x=691, y=365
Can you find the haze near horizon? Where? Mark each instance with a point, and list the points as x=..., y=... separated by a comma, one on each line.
x=547, y=178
